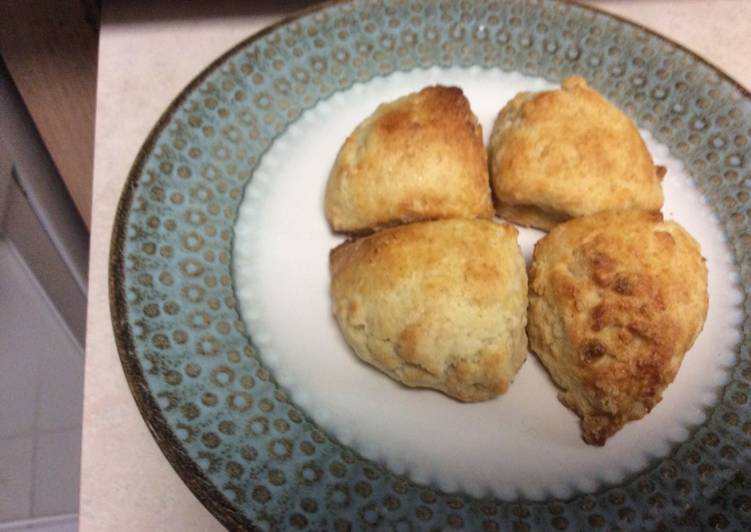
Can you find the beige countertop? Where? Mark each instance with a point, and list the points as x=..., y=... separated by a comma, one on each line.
x=148, y=52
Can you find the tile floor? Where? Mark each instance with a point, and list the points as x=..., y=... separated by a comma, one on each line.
x=63, y=523
x=41, y=393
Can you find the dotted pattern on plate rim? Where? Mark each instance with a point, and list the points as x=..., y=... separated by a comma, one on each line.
x=237, y=425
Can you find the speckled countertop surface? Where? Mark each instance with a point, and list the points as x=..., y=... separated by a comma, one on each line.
x=148, y=52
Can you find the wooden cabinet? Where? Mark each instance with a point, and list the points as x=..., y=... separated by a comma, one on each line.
x=50, y=49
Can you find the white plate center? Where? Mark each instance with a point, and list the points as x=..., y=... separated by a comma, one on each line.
x=524, y=443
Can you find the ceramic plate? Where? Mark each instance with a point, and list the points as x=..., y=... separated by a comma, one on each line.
x=219, y=287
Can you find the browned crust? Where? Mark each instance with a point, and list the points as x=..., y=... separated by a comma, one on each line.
x=420, y=157
x=616, y=300
x=559, y=154
x=530, y=216
x=438, y=304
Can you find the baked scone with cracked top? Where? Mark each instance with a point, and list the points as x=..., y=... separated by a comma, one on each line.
x=438, y=304
x=559, y=154
x=420, y=157
x=615, y=301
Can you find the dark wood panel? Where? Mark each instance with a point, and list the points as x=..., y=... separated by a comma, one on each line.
x=50, y=50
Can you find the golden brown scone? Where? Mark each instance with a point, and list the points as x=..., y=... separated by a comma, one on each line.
x=615, y=301
x=564, y=153
x=420, y=157
x=436, y=304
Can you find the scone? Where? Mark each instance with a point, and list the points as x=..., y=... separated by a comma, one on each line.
x=615, y=301
x=420, y=157
x=560, y=154
x=437, y=304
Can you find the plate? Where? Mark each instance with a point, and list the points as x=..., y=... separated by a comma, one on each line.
x=211, y=356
